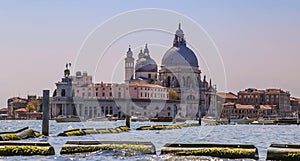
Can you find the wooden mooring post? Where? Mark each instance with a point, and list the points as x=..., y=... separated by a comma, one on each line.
x=45, y=126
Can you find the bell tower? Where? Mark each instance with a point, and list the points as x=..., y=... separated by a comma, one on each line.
x=129, y=66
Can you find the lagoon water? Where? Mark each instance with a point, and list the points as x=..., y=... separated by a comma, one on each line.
x=259, y=135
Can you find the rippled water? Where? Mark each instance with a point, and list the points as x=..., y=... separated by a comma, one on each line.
x=259, y=135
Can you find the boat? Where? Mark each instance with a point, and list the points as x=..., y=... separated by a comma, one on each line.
x=102, y=118
x=70, y=118
x=99, y=119
x=138, y=119
x=286, y=120
x=236, y=120
x=263, y=121
x=180, y=119
x=162, y=119
x=209, y=119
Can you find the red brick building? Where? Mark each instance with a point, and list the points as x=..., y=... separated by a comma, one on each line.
x=278, y=99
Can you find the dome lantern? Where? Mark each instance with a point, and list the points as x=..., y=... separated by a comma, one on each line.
x=141, y=54
x=179, y=37
x=129, y=52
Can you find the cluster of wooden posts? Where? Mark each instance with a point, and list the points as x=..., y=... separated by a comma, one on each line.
x=13, y=148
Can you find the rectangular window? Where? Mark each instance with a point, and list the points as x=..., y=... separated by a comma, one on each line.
x=103, y=94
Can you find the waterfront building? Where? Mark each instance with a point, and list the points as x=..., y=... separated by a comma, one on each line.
x=15, y=103
x=3, y=113
x=235, y=110
x=146, y=90
x=17, y=107
x=224, y=100
x=277, y=98
x=224, y=97
x=254, y=103
x=295, y=104
x=20, y=113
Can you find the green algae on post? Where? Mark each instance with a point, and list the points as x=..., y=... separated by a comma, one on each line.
x=91, y=148
x=283, y=152
x=8, y=148
x=211, y=149
x=73, y=132
x=124, y=128
x=165, y=127
x=220, y=152
x=24, y=133
x=133, y=147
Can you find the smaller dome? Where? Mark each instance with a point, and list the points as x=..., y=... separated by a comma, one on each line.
x=145, y=64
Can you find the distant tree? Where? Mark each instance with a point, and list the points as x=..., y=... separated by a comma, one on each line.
x=173, y=94
x=32, y=105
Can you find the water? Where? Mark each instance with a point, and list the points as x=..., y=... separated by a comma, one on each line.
x=259, y=135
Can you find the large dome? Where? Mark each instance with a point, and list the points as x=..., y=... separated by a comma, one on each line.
x=179, y=56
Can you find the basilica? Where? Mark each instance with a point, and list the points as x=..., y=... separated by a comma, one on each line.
x=148, y=89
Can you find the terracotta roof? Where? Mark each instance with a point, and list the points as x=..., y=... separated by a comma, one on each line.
x=294, y=99
x=3, y=109
x=229, y=104
x=239, y=106
x=228, y=95
x=266, y=107
x=21, y=110
x=266, y=91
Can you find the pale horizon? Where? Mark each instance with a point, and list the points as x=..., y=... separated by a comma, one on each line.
x=258, y=41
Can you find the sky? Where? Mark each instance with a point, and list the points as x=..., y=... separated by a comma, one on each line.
x=258, y=41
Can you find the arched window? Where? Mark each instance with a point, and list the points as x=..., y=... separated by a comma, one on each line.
x=183, y=81
x=190, y=97
x=188, y=81
x=168, y=81
x=63, y=92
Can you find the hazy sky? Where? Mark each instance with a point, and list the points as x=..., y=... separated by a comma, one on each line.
x=259, y=41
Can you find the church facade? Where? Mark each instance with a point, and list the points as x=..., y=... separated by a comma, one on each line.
x=147, y=90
